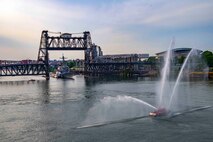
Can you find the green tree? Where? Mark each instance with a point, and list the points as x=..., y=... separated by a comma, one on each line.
x=152, y=60
x=208, y=57
x=181, y=59
x=70, y=64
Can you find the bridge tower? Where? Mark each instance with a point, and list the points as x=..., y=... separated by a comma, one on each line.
x=65, y=41
x=43, y=55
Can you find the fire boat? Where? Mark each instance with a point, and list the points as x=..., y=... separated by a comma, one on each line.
x=158, y=112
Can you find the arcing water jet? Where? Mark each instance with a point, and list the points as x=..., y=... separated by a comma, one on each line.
x=178, y=79
x=165, y=74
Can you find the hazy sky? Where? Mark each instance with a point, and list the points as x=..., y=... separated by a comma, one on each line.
x=118, y=26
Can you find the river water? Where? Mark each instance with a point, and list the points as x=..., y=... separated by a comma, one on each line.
x=56, y=110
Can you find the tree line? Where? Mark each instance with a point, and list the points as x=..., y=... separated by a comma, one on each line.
x=208, y=58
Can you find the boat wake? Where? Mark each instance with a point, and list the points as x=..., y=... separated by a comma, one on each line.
x=141, y=117
x=190, y=111
x=112, y=122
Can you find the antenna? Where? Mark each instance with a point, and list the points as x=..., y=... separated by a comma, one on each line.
x=63, y=58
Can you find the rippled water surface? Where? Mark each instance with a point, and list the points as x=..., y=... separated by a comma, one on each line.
x=53, y=110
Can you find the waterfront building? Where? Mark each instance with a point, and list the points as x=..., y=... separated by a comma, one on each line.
x=122, y=58
x=178, y=54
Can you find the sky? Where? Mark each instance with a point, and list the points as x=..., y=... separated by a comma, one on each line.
x=118, y=26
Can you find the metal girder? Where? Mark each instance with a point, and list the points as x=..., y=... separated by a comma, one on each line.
x=22, y=69
x=61, y=43
x=66, y=48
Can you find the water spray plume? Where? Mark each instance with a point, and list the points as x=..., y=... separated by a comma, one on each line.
x=165, y=71
x=179, y=77
x=117, y=108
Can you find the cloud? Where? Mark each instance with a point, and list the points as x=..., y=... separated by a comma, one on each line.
x=22, y=26
x=153, y=23
x=154, y=13
x=181, y=15
x=15, y=49
x=152, y=18
x=9, y=42
x=118, y=26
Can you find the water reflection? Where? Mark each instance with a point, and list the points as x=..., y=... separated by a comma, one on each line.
x=46, y=110
x=93, y=80
x=20, y=82
x=45, y=92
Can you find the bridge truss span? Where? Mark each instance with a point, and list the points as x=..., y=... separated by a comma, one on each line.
x=22, y=69
x=67, y=42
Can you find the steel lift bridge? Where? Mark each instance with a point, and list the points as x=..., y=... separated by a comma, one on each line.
x=53, y=41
